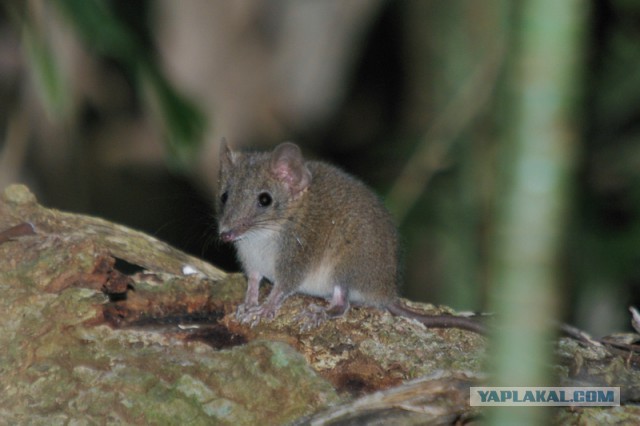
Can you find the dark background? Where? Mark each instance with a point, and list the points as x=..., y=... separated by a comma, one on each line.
x=116, y=109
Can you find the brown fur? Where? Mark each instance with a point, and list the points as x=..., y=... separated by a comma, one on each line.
x=323, y=229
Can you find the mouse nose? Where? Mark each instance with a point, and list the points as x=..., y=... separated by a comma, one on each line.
x=228, y=236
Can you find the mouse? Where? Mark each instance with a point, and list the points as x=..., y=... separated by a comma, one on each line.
x=309, y=227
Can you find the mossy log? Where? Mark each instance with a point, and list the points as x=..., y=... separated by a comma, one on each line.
x=103, y=324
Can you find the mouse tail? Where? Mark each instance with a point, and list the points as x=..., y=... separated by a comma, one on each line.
x=439, y=321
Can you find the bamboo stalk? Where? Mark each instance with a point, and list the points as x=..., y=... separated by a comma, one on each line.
x=540, y=144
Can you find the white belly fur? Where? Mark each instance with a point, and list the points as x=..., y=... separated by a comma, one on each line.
x=257, y=252
x=319, y=281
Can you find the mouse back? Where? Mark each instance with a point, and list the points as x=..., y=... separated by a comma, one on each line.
x=357, y=236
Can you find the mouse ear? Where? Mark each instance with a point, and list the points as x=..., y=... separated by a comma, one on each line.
x=288, y=166
x=227, y=156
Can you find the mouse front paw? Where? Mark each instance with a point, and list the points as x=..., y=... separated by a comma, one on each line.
x=243, y=308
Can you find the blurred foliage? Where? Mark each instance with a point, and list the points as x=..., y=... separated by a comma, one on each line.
x=605, y=229
x=52, y=85
x=110, y=37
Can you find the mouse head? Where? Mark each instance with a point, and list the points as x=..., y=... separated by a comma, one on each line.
x=259, y=191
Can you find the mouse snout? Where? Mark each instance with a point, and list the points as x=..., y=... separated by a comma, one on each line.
x=233, y=232
x=229, y=236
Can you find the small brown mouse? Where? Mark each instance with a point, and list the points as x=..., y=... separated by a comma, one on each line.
x=308, y=227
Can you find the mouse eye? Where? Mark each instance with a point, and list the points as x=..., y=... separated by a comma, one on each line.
x=264, y=199
x=224, y=197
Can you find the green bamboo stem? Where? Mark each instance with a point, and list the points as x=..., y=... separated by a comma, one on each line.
x=540, y=141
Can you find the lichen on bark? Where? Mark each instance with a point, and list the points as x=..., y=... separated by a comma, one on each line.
x=84, y=341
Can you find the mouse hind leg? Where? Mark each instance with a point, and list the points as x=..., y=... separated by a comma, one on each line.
x=339, y=304
x=369, y=284
x=315, y=315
